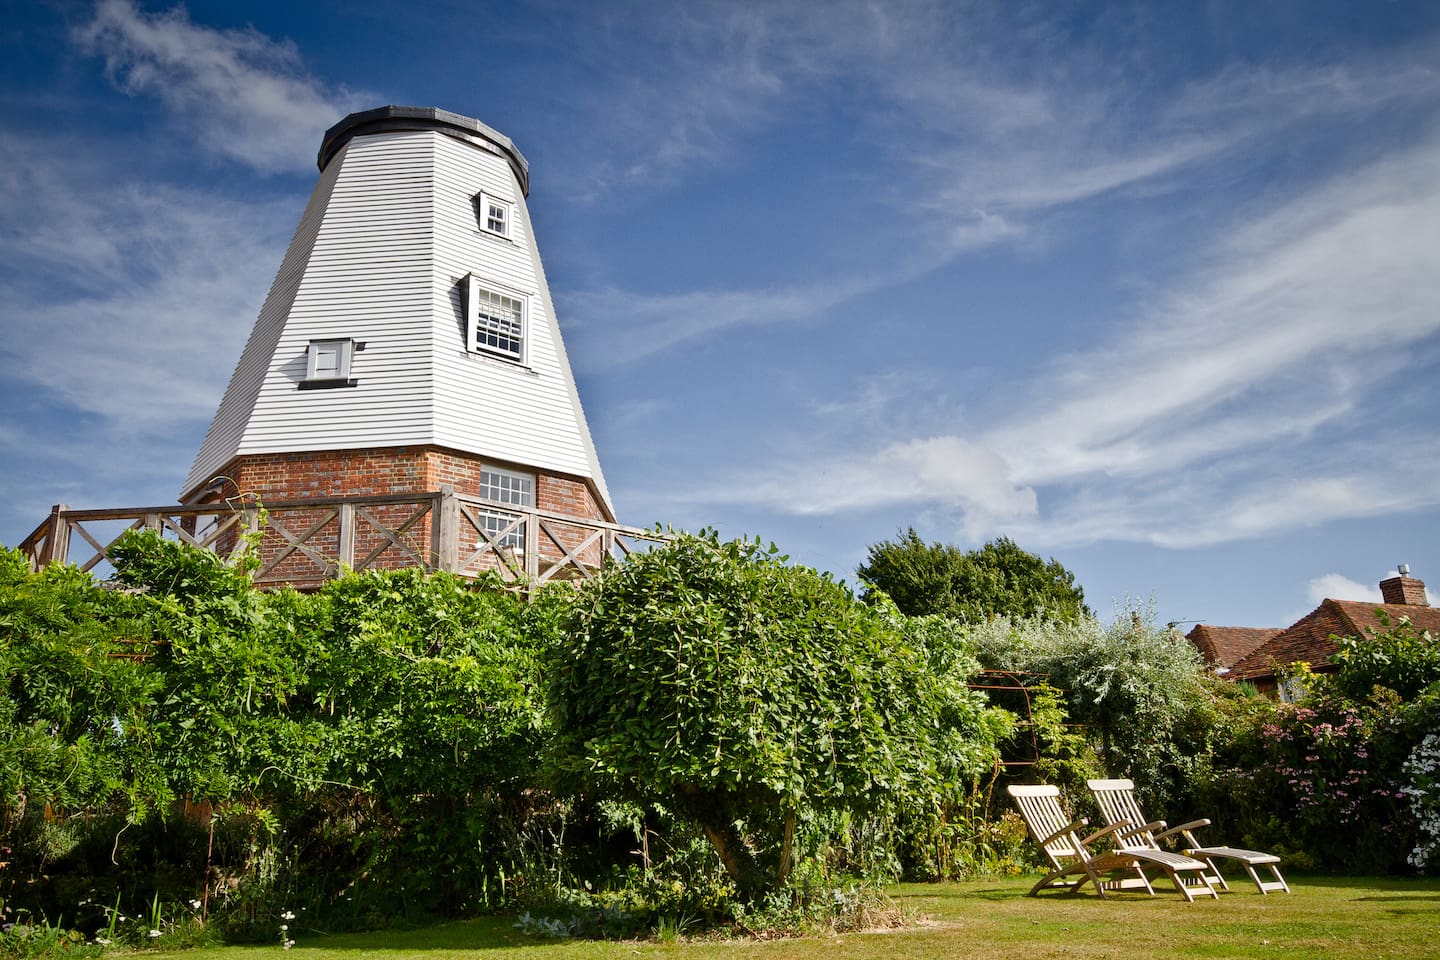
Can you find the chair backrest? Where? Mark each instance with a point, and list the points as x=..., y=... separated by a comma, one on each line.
x=1116, y=799
x=1040, y=808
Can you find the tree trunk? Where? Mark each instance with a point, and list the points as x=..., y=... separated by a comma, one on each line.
x=714, y=818
x=787, y=847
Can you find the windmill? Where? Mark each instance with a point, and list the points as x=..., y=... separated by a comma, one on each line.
x=409, y=344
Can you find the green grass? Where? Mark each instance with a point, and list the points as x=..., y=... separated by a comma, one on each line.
x=1376, y=919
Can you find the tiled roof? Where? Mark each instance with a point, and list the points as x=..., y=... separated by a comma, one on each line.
x=1309, y=638
x=1225, y=646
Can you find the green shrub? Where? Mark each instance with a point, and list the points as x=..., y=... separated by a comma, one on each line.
x=759, y=701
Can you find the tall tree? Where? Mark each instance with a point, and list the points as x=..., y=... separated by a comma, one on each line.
x=998, y=579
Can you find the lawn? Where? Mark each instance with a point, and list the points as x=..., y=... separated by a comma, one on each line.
x=994, y=920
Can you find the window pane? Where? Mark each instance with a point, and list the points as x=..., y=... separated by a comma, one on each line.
x=498, y=323
x=495, y=218
x=493, y=523
x=507, y=488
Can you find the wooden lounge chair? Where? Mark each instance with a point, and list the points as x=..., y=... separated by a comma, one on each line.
x=1117, y=802
x=1070, y=854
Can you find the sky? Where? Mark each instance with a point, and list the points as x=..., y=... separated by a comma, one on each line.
x=1152, y=289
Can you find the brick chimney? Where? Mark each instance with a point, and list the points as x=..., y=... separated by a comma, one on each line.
x=1404, y=589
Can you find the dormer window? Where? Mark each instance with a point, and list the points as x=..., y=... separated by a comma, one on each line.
x=327, y=363
x=496, y=215
x=496, y=321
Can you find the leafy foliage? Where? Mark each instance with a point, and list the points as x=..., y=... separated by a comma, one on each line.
x=1397, y=657
x=759, y=700
x=998, y=579
x=373, y=746
x=1140, y=692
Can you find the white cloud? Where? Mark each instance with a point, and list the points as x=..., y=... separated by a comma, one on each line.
x=1263, y=345
x=242, y=94
x=1337, y=586
x=947, y=471
x=976, y=147
x=1188, y=426
x=153, y=289
x=635, y=326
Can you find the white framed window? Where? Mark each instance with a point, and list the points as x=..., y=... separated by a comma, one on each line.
x=327, y=362
x=497, y=216
x=496, y=320
x=509, y=487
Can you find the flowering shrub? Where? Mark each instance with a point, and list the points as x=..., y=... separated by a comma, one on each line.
x=1321, y=780
x=1344, y=779
x=1423, y=791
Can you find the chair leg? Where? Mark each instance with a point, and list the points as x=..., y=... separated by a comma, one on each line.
x=1095, y=879
x=1265, y=886
x=1199, y=880
x=1049, y=882
x=1215, y=875
x=1131, y=883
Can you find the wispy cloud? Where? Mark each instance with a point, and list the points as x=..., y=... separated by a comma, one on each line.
x=243, y=94
x=1269, y=340
x=1340, y=587
x=974, y=146
x=1168, y=432
x=635, y=326
x=148, y=283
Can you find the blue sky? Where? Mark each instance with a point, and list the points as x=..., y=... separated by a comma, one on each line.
x=1151, y=288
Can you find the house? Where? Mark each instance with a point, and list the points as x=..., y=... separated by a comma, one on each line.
x=1223, y=647
x=1310, y=639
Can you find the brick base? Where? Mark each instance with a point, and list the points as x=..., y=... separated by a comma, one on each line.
x=332, y=474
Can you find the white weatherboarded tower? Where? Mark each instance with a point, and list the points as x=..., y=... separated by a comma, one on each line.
x=409, y=341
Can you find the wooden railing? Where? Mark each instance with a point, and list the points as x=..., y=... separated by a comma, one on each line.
x=306, y=542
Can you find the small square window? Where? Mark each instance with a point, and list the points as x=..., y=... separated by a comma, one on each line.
x=496, y=215
x=496, y=321
x=328, y=362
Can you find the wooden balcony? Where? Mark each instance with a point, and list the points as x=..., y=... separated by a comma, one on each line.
x=307, y=542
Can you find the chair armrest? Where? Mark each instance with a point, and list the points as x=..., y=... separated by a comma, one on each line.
x=1183, y=828
x=1150, y=827
x=1068, y=828
x=1117, y=825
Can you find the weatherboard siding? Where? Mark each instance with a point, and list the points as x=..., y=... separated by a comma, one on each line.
x=228, y=426
x=381, y=257
x=367, y=279
x=495, y=407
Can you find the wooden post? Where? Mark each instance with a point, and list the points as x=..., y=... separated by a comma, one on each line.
x=445, y=530
x=532, y=548
x=345, y=538
x=251, y=524
x=57, y=537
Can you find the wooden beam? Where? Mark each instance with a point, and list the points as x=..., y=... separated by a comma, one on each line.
x=392, y=536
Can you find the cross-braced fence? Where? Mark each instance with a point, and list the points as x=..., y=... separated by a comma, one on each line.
x=306, y=542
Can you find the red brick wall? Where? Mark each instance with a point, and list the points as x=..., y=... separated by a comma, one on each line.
x=330, y=473
x=567, y=496
x=323, y=474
